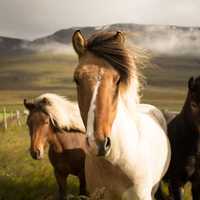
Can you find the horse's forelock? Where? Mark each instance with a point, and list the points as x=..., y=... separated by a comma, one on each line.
x=106, y=46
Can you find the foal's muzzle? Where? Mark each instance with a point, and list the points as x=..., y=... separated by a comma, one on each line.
x=36, y=154
x=103, y=146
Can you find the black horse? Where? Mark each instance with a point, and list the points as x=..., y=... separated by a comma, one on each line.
x=184, y=136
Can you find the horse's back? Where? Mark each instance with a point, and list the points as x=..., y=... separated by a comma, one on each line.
x=155, y=113
x=72, y=140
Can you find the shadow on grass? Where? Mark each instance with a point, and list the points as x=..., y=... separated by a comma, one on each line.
x=22, y=190
x=11, y=189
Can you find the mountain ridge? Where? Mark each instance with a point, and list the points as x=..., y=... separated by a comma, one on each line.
x=161, y=39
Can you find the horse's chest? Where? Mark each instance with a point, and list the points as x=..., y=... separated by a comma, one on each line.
x=184, y=154
x=71, y=161
x=190, y=167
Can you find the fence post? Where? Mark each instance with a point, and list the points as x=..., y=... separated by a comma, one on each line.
x=18, y=117
x=5, y=118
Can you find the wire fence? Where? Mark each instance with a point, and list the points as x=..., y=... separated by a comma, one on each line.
x=8, y=118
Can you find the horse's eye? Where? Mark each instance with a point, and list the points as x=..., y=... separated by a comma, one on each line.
x=118, y=81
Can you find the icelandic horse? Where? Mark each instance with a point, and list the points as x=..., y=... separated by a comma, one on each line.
x=129, y=151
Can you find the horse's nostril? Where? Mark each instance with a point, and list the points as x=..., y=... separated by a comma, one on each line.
x=33, y=154
x=107, y=144
x=104, y=146
x=37, y=153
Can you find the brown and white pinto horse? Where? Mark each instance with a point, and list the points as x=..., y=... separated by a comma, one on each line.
x=129, y=151
x=56, y=121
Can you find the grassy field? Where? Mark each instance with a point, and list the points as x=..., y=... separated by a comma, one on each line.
x=22, y=178
x=1, y=116
x=27, y=77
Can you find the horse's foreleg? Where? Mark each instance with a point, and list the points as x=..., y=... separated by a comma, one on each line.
x=176, y=191
x=61, y=181
x=82, y=180
x=144, y=192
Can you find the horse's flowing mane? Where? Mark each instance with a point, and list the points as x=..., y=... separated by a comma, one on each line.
x=106, y=46
x=63, y=112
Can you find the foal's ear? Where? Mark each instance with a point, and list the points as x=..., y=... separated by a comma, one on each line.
x=191, y=83
x=120, y=37
x=79, y=42
x=28, y=105
x=45, y=101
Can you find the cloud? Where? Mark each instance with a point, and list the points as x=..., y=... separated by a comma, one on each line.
x=34, y=18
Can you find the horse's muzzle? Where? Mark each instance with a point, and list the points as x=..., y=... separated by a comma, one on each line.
x=103, y=147
x=36, y=154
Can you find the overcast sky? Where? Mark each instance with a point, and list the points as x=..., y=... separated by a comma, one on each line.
x=35, y=18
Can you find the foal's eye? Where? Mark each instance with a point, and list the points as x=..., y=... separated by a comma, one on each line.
x=118, y=81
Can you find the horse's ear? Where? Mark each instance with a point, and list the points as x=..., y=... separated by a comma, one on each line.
x=28, y=105
x=120, y=37
x=45, y=101
x=79, y=42
x=191, y=84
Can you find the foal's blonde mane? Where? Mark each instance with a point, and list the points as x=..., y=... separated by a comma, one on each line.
x=106, y=45
x=63, y=112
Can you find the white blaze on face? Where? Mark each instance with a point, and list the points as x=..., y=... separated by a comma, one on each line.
x=91, y=112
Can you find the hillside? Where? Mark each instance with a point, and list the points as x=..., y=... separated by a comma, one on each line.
x=158, y=39
x=27, y=77
x=29, y=68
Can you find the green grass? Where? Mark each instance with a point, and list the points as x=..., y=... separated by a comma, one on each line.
x=1, y=116
x=21, y=177
x=27, y=77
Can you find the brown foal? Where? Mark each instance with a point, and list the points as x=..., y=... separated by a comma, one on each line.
x=66, y=147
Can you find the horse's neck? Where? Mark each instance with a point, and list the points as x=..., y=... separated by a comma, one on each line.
x=185, y=108
x=188, y=121
x=55, y=142
x=130, y=98
x=189, y=127
x=123, y=127
x=186, y=111
x=128, y=109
